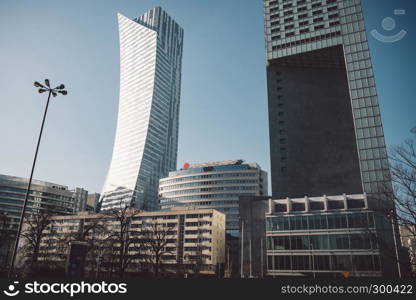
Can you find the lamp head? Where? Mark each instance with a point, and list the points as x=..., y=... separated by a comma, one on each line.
x=37, y=84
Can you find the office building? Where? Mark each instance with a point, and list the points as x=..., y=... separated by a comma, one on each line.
x=43, y=196
x=327, y=236
x=146, y=141
x=325, y=125
x=216, y=185
x=326, y=135
x=195, y=242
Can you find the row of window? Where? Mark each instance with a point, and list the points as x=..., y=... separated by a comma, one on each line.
x=315, y=11
x=320, y=206
x=205, y=176
x=213, y=189
x=324, y=263
x=322, y=242
x=213, y=182
x=307, y=40
x=204, y=196
x=315, y=222
x=300, y=23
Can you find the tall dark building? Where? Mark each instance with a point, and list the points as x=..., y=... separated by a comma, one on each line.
x=326, y=136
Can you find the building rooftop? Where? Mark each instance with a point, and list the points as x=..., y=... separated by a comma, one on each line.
x=217, y=163
x=219, y=166
x=22, y=180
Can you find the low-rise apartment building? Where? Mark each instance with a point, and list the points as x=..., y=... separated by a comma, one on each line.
x=185, y=239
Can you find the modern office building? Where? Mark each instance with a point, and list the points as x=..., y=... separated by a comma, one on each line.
x=193, y=240
x=146, y=141
x=326, y=136
x=216, y=185
x=327, y=236
x=43, y=196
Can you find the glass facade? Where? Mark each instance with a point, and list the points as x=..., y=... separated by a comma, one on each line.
x=145, y=147
x=327, y=243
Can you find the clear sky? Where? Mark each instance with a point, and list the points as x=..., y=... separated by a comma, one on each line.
x=224, y=103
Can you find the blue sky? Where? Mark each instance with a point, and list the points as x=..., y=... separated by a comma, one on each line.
x=223, y=106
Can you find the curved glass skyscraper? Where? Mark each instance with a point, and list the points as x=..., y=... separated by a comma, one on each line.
x=146, y=141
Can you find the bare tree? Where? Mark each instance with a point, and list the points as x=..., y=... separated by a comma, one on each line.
x=398, y=205
x=34, y=230
x=155, y=239
x=122, y=237
x=403, y=173
x=7, y=237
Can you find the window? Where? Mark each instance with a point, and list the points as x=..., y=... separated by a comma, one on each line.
x=299, y=223
x=319, y=242
x=289, y=19
x=335, y=204
x=300, y=262
x=341, y=262
x=339, y=241
x=303, y=23
x=315, y=5
x=305, y=30
x=274, y=9
x=303, y=8
x=333, y=16
x=316, y=205
x=319, y=27
x=289, y=26
x=298, y=206
x=316, y=20
x=317, y=12
x=303, y=16
x=332, y=8
x=299, y=242
x=321, y=262
x=289, y=34
x=317, y=222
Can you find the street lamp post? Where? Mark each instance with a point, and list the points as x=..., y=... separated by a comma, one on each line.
x=54, y=92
